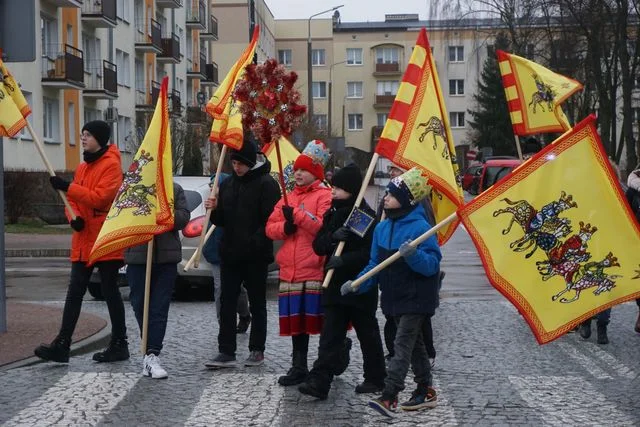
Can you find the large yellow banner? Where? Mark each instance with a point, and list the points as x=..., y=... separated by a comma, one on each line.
x=289, y=154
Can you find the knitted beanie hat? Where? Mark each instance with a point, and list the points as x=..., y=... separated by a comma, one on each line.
x=247, y=154
x=313, y=158
x=349, y=178
x=100, y=131
x=409, y=188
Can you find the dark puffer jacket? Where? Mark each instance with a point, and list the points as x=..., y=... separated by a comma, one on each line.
x=244, y=205
x=167, y=248
x=355, y=255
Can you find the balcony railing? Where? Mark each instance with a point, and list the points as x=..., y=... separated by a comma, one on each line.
x=170, y=49
x=389, y=68
x=384, y=100
x=175, y=103
x=212, y=31
x=196, y=14
x=211, y=71
x=100, y=13
x=171, y=4
x=62, y=66
x=197, y=68
x=148, y=36
x=66, y=3
x=147, y=96
x=101, y=80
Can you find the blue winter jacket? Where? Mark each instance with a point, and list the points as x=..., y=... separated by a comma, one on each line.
x=409, y=285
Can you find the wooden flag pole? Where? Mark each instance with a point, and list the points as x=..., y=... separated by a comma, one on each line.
x=363, y=189
x=384, y=264
x=515, y=137
x=193, y=257
x=147, y=292
x=207, y=217
x=283, y=186
x=47, y=164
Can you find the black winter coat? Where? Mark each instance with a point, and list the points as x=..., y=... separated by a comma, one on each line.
x=355, y=256
x=244, y=205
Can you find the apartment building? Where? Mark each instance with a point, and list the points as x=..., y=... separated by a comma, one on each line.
x=105, y=59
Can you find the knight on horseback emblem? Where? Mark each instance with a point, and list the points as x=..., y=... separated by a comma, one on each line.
x=544, y=95
x=132, y=194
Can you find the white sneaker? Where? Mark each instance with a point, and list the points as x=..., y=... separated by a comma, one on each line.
x=151, y=367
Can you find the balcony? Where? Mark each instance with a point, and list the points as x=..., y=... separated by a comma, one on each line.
x=384, y=101
x=148, y=36
x=196, y=15
x=102, y=80
x=211, y=71
x=389, y=69
x=196, y=115
x=65, y=3
x=170, y=50
x=212, y=32
x=62, y=67
x=197, y=68
x=99, y=13
x=147, y=96
x=175, y=104
x=169, y=4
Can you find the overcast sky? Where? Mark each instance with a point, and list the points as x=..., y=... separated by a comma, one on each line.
x=353, y=10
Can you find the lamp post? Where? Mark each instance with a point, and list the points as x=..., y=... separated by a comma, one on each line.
x=331, y=95
x=309, y=72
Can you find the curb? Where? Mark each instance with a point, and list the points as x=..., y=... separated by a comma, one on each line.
x=37, y=253
x=97, y=341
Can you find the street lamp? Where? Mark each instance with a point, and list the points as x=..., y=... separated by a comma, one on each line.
x=330, y=95
x=309, y=73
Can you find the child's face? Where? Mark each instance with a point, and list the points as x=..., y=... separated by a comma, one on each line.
x=239, y=168
x=303, y=177
x=338, y=193
x=391, y=202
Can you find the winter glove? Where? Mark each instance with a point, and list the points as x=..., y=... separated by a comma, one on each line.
x=58, y=183
x=334, y=262
x=287, y=211
x=290, y=228
x=77, y=224
x=342, y=234
x=346, y=288
x=406, y=250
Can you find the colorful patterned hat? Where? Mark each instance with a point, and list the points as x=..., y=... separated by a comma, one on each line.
x=409, y=188
x=313, y=158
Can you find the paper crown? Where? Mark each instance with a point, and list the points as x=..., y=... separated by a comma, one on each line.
x=410, y=187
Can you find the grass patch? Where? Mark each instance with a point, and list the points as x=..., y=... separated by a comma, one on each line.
x=35, y=226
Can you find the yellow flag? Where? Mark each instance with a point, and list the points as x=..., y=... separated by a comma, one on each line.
x=143, y=206
x=417, y=133
x=557, y=237
x=534, y=94
x=14, y=90
x=289, y=154
x=13, y=106
x=227, y=119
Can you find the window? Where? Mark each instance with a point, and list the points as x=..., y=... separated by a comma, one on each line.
x=317, y=57
x=24, y=133
x=354, y=56
x=456, y=119
x=319, y=89
x=354, y=89
x=90, y=115
x=284, y=57
x=71, y=124
x=320, y=121
x=382, y=118
x=388, y=87
x=92, y=55
x=139, y=70
x=125, y=133
x=456, y=53
x=456, y=87
x=124, y=70
x=69, y=35
x=387, y=55
x=123, y=10
x=355, y=121
x=49, y=37
x=50, y=119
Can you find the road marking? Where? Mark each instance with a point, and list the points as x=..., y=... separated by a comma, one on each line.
x=620, y=368
x=584, y=361
x=68, y=403
x=582, y=402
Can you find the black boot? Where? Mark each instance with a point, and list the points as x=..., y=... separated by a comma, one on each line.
x=343, y=358
x=57, y=351
x=118, y=350
x=313, y=387
x=602, y=334
x=585, y=329
x=298, y=372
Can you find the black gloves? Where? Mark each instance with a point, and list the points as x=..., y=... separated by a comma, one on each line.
x=77, y=224
x=334, y=262
x=287, y=211
x=342, y=234
x=290, y=228
x=58, y=183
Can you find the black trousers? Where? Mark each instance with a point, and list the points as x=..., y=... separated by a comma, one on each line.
x=390, y=329
x=80, y=275
x=254, y=277
x=334, y=332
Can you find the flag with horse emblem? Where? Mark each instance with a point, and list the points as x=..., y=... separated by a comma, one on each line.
x=557, y=236
x=534, y=94
x=417, y=133
x=13, y=106
x=143, y=206
x=227, y=118
x=289, y=155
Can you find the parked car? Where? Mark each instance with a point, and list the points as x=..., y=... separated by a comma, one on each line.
x=493, y=170
x=471, y=179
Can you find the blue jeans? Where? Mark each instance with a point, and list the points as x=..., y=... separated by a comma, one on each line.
x=163, y=278
x=409, y=350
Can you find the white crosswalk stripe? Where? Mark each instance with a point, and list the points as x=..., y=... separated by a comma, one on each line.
x=585, y=361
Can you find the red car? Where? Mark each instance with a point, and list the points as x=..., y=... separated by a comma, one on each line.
x=494, y=170
x=471, y=179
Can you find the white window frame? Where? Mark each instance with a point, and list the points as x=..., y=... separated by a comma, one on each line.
x=123, y=62
x=285, y=56
x=387, y=55
x=320, y=120
x=125, y=131
x=318, y=57
x=71, y=124
x=123, y=10
x=50, y=120
x=319, y=90
x=49, y=36
x=456, y=53
x=455, y=118
x=355, y=122
x=381, y=118
x=456, y=87
x=352, y=56
x=24, y=133
x=355, y=90
x=387, y=87
x=91, y=114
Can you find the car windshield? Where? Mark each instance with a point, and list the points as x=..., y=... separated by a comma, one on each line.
x=193, y=199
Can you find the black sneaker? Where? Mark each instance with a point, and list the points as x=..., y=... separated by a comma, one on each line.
x=222, y=361
x=386, y=407
x=420, y=400
x=585, y=330
x=118, y=350
x=369, y=387
x=57, y=351
x=243, y=324
x=311, y=388
x=294, y=376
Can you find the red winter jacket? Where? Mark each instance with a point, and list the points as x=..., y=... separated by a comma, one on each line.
x=296, y=258
x=90, y=194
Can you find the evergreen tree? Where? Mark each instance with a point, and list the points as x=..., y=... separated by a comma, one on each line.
x=490, y=118
x=192, y=160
